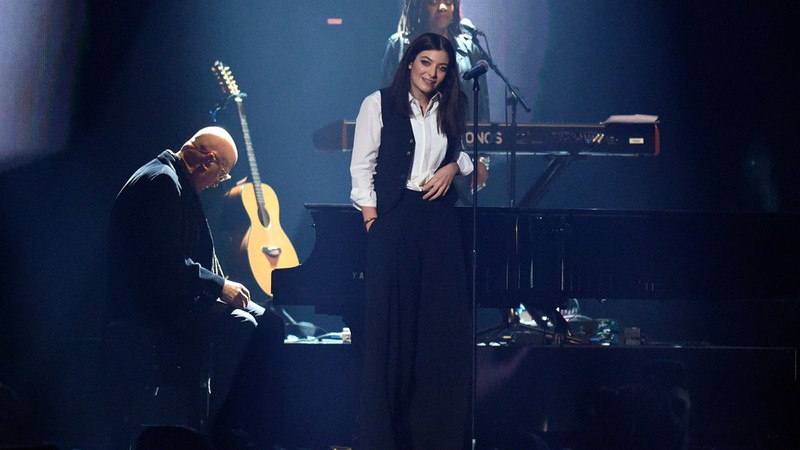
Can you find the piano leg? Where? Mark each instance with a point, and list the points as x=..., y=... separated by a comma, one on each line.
x=561, y=334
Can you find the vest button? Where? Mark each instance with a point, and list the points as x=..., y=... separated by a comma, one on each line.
x=411, y=141
x=408, y=153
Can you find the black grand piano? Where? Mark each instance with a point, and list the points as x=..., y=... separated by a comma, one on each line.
x=549, y=255
x=543, y=257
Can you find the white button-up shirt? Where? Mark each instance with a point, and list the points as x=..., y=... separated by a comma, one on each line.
x=430, y=147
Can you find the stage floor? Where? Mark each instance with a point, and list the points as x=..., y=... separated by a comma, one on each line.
x=740, y=396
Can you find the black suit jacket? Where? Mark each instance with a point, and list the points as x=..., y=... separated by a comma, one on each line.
x=161, y=253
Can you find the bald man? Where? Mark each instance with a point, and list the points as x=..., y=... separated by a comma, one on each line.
x=163, y=271
x=162, y=261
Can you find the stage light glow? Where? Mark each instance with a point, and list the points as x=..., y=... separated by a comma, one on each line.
x=38, y=47
x=517, y=35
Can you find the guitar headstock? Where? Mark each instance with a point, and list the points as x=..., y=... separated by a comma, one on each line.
x=225, y=79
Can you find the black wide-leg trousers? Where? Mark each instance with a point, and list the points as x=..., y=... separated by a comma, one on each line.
x=416, y=380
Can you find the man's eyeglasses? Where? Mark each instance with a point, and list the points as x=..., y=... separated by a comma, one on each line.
x=437, y=2
x=223, y=174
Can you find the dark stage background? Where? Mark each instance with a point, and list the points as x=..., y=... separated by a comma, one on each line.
x=134, y=78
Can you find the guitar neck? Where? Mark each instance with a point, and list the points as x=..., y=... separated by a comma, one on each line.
x=251, y=158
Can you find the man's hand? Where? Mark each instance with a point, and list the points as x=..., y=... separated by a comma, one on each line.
x=235, y=294
x=440, y=183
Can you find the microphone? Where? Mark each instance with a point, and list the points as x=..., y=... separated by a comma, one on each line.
x=469, y=26
x=477, y=70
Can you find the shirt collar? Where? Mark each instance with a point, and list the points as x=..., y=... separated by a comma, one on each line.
x=433, y=103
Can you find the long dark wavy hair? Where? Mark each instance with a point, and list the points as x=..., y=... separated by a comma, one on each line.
x=414, y=18
x=452, y=103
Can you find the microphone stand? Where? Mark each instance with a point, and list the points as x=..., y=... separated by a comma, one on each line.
x=512, y=154
x=476, y=87
x=515, y=98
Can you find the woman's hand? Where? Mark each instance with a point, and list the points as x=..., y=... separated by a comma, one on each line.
x=369, y=214
x=438, y=186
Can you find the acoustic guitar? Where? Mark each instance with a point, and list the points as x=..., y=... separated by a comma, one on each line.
x=268, y=248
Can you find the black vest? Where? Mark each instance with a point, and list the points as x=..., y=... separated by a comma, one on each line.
x=396, y=155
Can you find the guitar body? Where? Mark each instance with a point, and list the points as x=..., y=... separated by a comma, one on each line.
x=267, y=246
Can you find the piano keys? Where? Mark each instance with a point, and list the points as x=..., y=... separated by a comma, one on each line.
x=618, y=136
